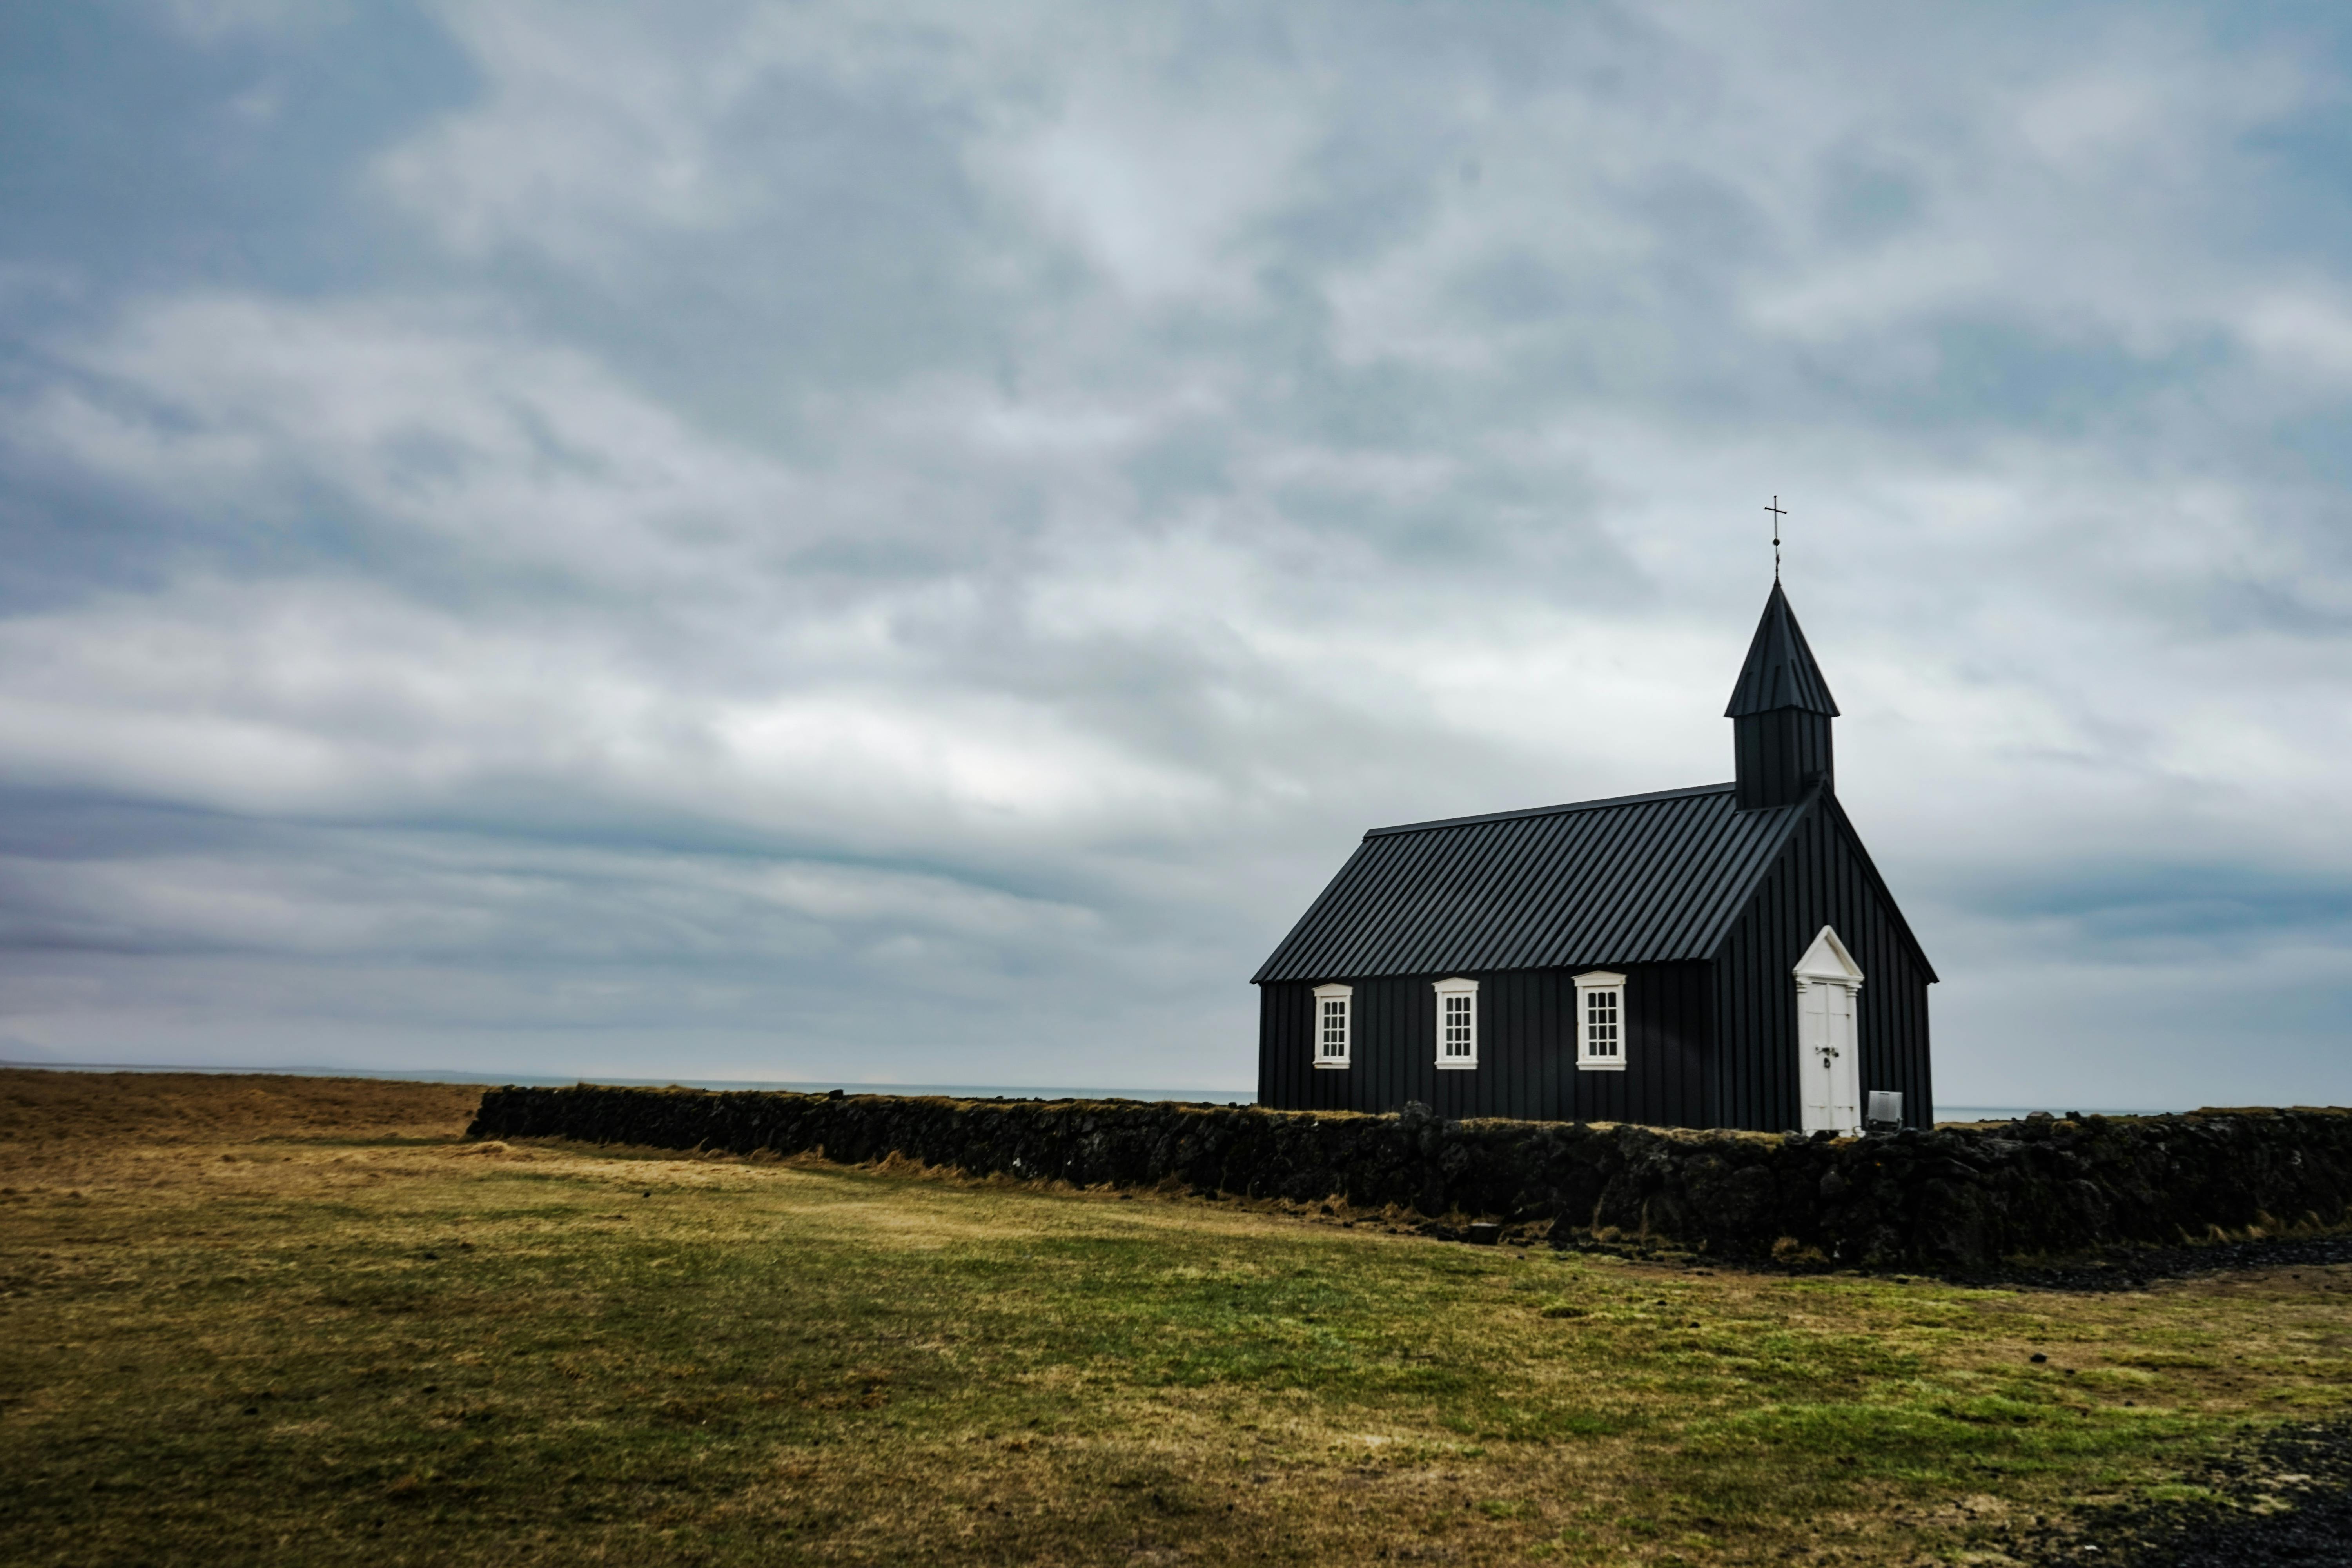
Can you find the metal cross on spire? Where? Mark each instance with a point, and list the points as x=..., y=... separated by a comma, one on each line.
x=1777, y=511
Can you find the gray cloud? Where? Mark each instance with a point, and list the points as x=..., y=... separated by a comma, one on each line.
x=788, y=541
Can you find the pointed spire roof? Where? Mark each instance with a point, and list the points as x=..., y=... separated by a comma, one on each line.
x=1780, y=671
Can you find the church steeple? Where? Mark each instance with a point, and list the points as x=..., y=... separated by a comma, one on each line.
x=1780, y=711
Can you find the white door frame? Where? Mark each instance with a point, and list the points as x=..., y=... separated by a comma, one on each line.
x=1828, y=1054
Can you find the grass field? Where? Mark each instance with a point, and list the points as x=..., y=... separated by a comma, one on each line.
x=302, y=1320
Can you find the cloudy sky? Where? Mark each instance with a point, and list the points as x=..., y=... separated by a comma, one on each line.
x=905, y=543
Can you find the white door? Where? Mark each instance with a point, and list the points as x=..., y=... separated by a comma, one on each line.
x=1829, y=1064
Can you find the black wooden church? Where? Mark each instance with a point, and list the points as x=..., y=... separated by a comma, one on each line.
x=1723, y=956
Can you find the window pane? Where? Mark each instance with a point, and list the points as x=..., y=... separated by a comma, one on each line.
x=1601, y=1019
x=1455, y=1040
x=1334, y=1037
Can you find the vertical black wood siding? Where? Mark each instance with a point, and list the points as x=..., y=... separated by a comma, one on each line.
x=1526, y=1049
x=1780, y=754
x=1818, y=880
x=1710, y=1043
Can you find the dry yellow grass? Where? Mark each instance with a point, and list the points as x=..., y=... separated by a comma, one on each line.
x=267, y=1319
x=51, y=1115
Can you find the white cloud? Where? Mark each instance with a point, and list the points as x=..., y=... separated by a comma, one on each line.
x=816, y=520
x=586, y=129
x=1161, y=194
x=2301, y=332
x=512, y=452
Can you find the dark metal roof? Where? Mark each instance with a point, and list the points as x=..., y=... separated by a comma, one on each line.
x=1780, y=671
x=1643, y=879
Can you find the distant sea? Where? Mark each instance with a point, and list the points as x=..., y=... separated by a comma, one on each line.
x=2012, y=1112
x=952, y=1091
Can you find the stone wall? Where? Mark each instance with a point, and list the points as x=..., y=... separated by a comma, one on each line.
x=1953, y=1197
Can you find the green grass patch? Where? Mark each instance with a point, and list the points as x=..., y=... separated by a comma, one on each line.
x=363, y=1349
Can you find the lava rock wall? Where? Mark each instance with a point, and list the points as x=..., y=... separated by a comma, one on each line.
x=1953, y=1197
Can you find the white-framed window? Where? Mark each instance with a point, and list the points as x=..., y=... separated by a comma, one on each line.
x=1600, y=1021
x=1458, y=1022
x=1335, y=1007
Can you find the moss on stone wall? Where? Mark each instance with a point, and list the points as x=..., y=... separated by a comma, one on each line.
x=1951, y=1197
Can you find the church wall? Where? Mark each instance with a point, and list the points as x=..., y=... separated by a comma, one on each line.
x=1819, y=880
x=1526, y=1049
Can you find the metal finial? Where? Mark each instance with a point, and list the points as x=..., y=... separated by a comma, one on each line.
x=1778, y=512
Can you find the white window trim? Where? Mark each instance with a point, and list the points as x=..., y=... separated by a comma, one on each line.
x=1345, y=995
x=1456, y=987
x=1594, y=980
